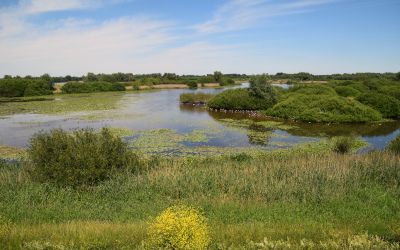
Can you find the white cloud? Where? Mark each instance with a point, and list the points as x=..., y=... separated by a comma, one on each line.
x=239, y=14
x=110, y=46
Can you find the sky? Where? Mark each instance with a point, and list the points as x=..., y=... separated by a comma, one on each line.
x=73, y=37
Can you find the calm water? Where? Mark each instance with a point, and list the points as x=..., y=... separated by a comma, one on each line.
x=143, y=111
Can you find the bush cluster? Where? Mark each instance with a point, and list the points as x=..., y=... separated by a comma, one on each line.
x=15, y=87
x=179, y=227
x=81, y=158
x=261, y=88
x=312, y=89
x=239, y=99
x=88, y=87
x=387, y=105
x=323, y=108
x=347, y=91
x=192, y=84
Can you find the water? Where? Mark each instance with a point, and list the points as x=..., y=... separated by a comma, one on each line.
x=188, y=126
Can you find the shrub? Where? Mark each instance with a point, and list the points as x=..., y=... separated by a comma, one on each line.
x=261, y=88
x=226, y=82
x=87, y=87
x=195, y=97
x=179, y=227
x=313, y=89
x=343, y=144
x=346, y=91
x=192, y=84
x=392, y=90
x=83, y=157
x=239, y=99
x=394, y=145
x=387, y=105
x=316, y=108
x=24, y=87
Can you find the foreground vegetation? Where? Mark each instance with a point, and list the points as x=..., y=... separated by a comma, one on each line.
x=303, y=199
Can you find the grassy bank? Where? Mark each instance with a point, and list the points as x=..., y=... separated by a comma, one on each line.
x=295, y=196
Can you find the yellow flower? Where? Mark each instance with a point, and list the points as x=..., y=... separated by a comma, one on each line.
x=179, y=227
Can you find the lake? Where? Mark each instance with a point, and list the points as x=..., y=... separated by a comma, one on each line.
x=156, y=122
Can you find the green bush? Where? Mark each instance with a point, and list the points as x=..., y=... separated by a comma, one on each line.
x=317, y=108
x=24, y=87
x=313, y=89
x=238, y=99
x=394, y=145
x=81, y=158
x=346, y=91
x=192, y=84
x=343, y=144
x=387, y=105
x=195, y=97
x=261, y=88
x=392, y=90
x=88, y=87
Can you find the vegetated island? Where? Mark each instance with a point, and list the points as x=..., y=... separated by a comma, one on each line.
x=339, y=101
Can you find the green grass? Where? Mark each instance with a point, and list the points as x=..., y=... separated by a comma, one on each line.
x=195, y=97
x=297, y=195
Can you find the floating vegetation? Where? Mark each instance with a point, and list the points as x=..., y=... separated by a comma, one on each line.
x=107, y=115
x=197, y=135
x=11, y=153
x=122, y=132
x=246, y=123
x=63, y=104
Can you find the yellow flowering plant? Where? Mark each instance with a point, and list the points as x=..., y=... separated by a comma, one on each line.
x=179, y=227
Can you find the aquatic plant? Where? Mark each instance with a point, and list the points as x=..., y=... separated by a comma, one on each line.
x=179, y=227
x=200, y=97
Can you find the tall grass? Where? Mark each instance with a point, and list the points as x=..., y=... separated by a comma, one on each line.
x=275, y=196
x=201, y=98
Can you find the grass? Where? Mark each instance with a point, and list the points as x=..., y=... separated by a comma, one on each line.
x=200, y=98
x=11, y=153
x=296, y=195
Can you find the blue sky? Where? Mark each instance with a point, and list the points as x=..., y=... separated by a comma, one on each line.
x=62, y=37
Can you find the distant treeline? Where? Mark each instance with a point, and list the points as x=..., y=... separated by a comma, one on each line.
x=16, y=86
x=304, y=76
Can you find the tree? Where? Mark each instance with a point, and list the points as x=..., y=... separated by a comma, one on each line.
x=261, y=88
x=218, y=76
x=90, y=77
x=46, y=77
x=398, y=76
